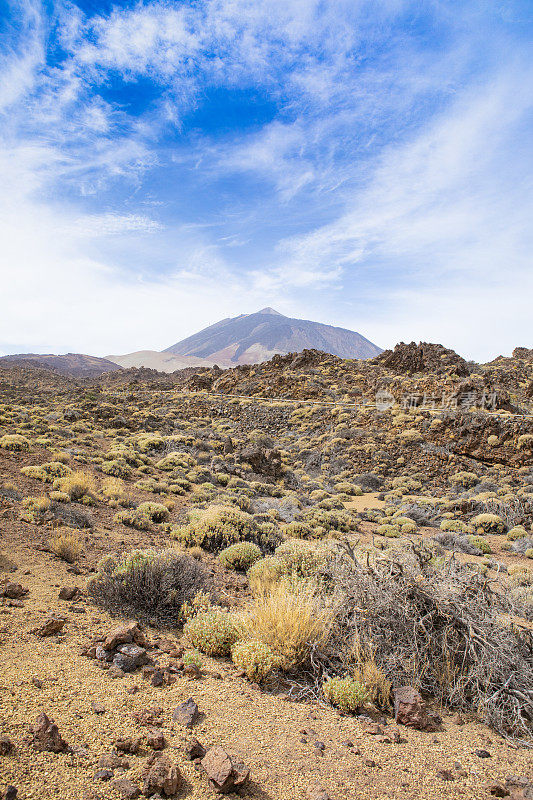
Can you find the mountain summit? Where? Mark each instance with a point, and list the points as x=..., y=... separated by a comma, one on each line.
x=251, y=338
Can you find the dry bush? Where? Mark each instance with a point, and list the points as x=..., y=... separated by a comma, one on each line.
x=73, y=516
x=76, y=485
x=265, y=574
x=147, y=583
x=291, y=620
x=156, y=512
x=66, y=545
x=113, y=489
x=451, y=635
x=518, y=511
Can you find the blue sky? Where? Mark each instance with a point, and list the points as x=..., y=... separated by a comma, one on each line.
x=167, y=164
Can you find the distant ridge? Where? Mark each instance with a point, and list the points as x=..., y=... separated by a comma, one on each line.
x=74, y=365
x=253, y=338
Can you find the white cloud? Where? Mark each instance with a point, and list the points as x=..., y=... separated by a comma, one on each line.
x=406, y=174
x=448, y=215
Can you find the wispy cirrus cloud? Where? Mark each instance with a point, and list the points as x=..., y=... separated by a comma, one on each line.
x=165, y=165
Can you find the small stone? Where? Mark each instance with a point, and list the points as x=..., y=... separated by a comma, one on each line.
x=128, y=633
x=126, y=788
x=10, y=793
x=113, y=761
x=114, y=671
x=186, y=713
x=373, y=729
x=102, y=655
x=129, y=657
x=147, y=671
x=156, y=741
x=160, y=775
x=37, y=683
x=319, y=745
x=483, y=754
x=496, y=789
x=347, y=743
x=46, y=736
x=128, y=745
x=224, y=773
x=410, y=709
x=49, y=627
x=445, y=775
x=193, y=749
x=103, y=775
x=98, y=708
x=68, y=592
x=192, y=672
x=6, y=746
x=13, y=591
x=158, y=678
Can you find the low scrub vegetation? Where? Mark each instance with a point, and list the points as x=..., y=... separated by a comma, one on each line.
x=147, y=583
x=66, y=545
x=213, y=632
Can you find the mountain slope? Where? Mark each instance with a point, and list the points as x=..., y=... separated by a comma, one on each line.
x=252, y=338
x=74, y=365
x=163, y=362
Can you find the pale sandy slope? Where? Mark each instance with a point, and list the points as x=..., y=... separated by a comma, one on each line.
x=164, y=362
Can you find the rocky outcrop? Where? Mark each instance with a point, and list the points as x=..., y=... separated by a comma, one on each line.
x=263, y=461
x=422, y=357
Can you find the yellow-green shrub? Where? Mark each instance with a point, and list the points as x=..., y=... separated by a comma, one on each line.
x=14, y=441
x=488, y=523
x=255, y=657
x=156, y=512
x=46, y=472
x=346, y=693
x=480, y=543
x=212, y=632
x=466, y=479
x=240, y=556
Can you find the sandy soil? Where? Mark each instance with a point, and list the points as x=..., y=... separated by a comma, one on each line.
x=274, y=736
